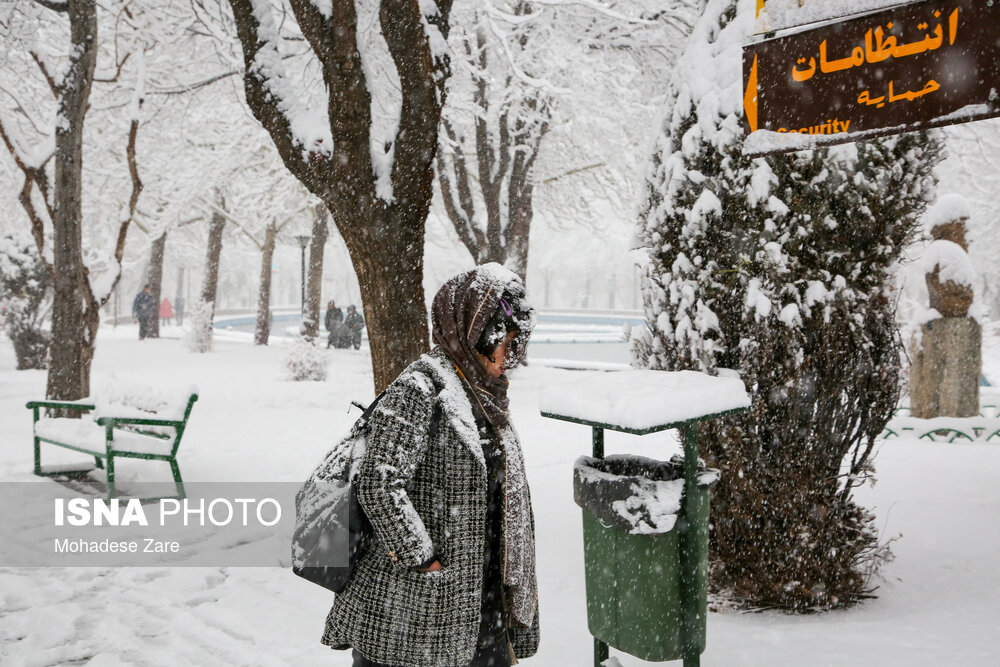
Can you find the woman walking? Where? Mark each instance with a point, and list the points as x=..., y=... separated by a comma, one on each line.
x=448, y=578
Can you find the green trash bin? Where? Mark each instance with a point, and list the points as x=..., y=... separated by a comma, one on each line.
x=632, y=552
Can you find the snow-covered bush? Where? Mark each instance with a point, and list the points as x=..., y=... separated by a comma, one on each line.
x=198, y=336
x=24, y=299
x=306, y=360
x=781, y=268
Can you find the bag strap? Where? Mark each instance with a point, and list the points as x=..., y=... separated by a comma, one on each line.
x=362, y=421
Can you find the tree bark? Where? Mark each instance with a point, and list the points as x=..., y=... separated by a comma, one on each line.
x=76, y=309
x=263, y=329
x=314, y=283
x=179, y=299
x=210, y=283
x=393, y=300
x=518, y=232
x=384, y=235
x=155, y=279
x=72, y=349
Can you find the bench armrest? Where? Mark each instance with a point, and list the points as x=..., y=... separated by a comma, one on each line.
x=134, y=421
x=62, y=405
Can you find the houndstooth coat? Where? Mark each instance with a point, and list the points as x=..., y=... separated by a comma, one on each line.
x=423, y=496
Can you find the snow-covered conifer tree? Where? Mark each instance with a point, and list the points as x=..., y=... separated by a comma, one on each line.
x=780, y=268
x=25, y=299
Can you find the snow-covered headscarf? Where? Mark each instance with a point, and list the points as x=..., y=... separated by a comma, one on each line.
x=460, y=313
x=461, y=310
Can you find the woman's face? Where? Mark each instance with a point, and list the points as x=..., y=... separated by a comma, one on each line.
x=496, y=367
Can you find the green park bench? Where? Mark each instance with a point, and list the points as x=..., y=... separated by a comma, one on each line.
x=945, y=429
x=140, y=424
x=984, y=427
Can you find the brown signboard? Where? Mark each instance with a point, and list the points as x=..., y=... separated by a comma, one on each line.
x=921, y=65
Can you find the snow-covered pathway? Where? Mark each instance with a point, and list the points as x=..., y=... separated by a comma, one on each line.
x=940, y=604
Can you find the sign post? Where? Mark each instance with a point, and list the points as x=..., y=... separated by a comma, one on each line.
x=917, y=66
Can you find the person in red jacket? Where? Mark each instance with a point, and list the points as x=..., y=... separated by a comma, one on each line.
x=166, y=311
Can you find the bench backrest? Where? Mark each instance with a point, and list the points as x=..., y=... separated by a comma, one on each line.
x=139, y=401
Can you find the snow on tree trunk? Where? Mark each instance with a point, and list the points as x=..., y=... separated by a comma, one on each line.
x=779, y=268
x=83, y=282
x=376, y=178
x=202, y=315
x=155, y=278
x=262, y=331
x=314, y=282
x=72, y=346
x=198, y=337
x=210, y=281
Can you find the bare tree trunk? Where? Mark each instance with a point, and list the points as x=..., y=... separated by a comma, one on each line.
x=180, y=301
x=519, y=230
x=71, y=348
x=179, y=291
x=398, y=326
x=210, y=282
x=75, y=309
x=314, y=284
x=263, y=329
x=155, y=278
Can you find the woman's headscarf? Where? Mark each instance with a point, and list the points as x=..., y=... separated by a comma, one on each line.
x=459, y=314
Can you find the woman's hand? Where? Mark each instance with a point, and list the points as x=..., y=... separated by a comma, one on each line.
x=435, y=566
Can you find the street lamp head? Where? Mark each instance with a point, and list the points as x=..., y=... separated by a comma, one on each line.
x=303, y=240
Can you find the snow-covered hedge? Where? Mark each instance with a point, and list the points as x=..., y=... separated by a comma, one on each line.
x=306, y=360
x=24, y=299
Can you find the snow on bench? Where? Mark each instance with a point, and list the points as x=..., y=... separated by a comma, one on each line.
x=643, y=400
x=127, y=421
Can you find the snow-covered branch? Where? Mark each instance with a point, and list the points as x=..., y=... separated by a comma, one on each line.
x=301, y=135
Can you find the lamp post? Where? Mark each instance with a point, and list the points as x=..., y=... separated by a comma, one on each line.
x=303, y=240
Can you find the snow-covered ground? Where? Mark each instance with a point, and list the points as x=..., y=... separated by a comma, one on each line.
x=938, y=605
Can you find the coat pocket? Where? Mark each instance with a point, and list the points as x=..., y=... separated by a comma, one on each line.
x=419, y=613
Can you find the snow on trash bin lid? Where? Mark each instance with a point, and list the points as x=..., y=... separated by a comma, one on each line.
x=641, y=399
x=635, y=494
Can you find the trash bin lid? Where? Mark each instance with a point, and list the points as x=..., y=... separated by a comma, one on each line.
x=643, y=400
x=635, y=494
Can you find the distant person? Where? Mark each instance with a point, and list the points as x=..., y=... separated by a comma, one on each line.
x=143, y=310
x=166, y=311
x=179, y=310
x=354, y=323
x=334, y=321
